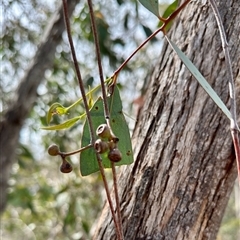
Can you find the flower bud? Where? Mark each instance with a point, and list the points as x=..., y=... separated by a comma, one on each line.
x=115, y=155
x=103, y=131
x=53, y=150
x=101, y=146
x=65, y=166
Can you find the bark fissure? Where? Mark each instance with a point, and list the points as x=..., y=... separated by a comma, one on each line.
x=142, y=193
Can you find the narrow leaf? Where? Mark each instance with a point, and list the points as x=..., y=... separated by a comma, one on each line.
x=61, y=110
x=202, y=81
x=90, y=99
x=151, y=5
x=52, y=111
x=69, y=123
x=88, y=160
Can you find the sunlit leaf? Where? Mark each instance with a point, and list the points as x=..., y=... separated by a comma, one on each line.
x=151, y=5
x=69, y=123
x=61, y=110
x=56, y=108
x=88, y=160
x=202, y=81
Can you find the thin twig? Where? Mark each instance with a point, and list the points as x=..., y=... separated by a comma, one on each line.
x=233, y=123
x=79, y=77
x=115, y=184
x=118, y=224
x=64, y=154
x=91, y=130
x=98, y=54
x=161, y=29
x=118, y=231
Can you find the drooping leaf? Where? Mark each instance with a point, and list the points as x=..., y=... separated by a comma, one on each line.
x=69, y=123
x=88, y=160
x=56, y=108
x=61, y=110
x=202, y=81
x=151, y=5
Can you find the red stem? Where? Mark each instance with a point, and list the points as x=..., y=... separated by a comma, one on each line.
x=117, y=199
x=161, y=29
x=237, y=150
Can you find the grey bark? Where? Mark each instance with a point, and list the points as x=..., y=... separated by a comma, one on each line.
x=26, y=95
x=184, y=168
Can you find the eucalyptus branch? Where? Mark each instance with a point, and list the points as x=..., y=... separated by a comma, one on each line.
x=79, y=77
x=161, y=29
x=117, y=197
x=233, y=123
x=118, y=224
x=91, y=130
x=98, y=54
x=95, y=35
x=64, y=154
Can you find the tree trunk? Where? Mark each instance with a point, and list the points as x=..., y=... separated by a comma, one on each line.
x=184, y=168
x=26, y=95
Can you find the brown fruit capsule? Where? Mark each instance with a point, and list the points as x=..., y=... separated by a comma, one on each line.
x=53, y=150
x=103, y=131
x=101, y=146
x=115, y=155
x=65, y=167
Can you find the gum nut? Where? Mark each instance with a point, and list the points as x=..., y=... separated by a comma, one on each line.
x=103, y=131
x=100, y=146
x=66, y=167
x=53, y=150
x=115, y=155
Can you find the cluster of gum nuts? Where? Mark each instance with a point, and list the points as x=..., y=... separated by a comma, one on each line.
x=54, y=150
x=106, y=142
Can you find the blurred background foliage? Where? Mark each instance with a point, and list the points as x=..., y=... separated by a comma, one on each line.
x=42, y=202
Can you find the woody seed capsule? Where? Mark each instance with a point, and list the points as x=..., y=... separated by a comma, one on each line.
x=53, y=150
x=101, y=146
x=65, y=166
x=115, y=155
x=103, y=131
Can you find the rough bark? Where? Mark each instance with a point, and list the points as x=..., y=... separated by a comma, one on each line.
x=26, y=95
x=184, y=168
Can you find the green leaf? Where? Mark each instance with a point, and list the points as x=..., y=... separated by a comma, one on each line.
x=151, y=5
x=61, y=110
x=170, y=9
x=56, y=108
x=69, y=123
x=90, y=98
x=202, y=81
x=88, y=160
